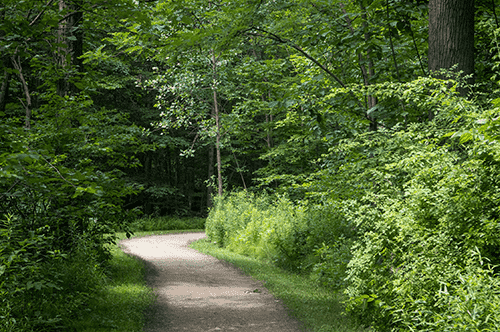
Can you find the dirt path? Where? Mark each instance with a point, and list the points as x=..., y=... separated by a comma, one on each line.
x=197, y=292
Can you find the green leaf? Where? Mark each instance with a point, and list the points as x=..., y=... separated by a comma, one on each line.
x=187, y=19
x=467, y=136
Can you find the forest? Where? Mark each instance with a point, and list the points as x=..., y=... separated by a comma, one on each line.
x=354, y=141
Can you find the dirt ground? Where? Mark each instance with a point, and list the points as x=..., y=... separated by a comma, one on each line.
x=197, y=292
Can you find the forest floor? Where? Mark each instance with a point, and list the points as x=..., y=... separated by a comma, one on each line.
x=196, y=292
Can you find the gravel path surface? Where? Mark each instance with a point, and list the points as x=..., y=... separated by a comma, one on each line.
x=197, y=292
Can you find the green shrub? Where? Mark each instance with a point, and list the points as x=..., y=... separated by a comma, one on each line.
x=411, y=246
x=43, y=289
x=291, y=235
x=230, y=216
x=150, y=223
x=397, y=217
x=471, y=304
x=25, y=284
x=331, y=269
x=466, y=300
x=420, y=213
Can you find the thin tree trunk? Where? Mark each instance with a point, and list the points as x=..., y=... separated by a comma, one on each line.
x=217, y=145
x=217, y=124
x=210, y=188
x=4, y=90
x=70, y=39
x=240, y=171
x=371, y=101
x=27, y=106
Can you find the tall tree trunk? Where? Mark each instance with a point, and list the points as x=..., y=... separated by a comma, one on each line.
x=16, y=63
x=210, y=188
x=217, y=124
x=70, y=39
x=451, y=36
x=217, y=145
x=4, y=90
x=372, y=100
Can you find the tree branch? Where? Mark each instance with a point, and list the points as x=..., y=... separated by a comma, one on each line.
x=19, y=69
x=364, y=73
x=277, y=38
x=493, y=8
x=41, y=13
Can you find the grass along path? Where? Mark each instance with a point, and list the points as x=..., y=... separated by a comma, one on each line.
x=318, y=308
x=120, y=302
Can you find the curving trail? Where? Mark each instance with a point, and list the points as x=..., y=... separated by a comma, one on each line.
x=199, y=293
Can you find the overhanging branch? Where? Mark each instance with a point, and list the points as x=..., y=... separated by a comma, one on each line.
x=272, y=36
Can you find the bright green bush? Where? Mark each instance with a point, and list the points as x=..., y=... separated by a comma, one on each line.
x=231, y=215
x=422, y=200
x=397, y=217
x=330, y=270
x=244, y=223
x=416, y=243
x=466, y=300
x=304, y=239
x=24, y=284
x=471, y=304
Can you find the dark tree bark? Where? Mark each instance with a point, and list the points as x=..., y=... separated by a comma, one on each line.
x=451, y=36
x=4, y=90
x=5, y=60
x=70, y=36
x=16, y=63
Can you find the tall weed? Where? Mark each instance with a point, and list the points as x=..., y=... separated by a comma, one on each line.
x=296, y=236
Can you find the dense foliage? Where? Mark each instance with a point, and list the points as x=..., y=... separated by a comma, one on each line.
x=62, y=164
x=358, y=165
x=403, y=220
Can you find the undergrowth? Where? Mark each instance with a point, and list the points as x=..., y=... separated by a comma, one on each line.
x=123, y=297
x=166, y=223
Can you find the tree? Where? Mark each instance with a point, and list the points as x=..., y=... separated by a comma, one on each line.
x=70, y=43
x=62, y=162
x=451, y=36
